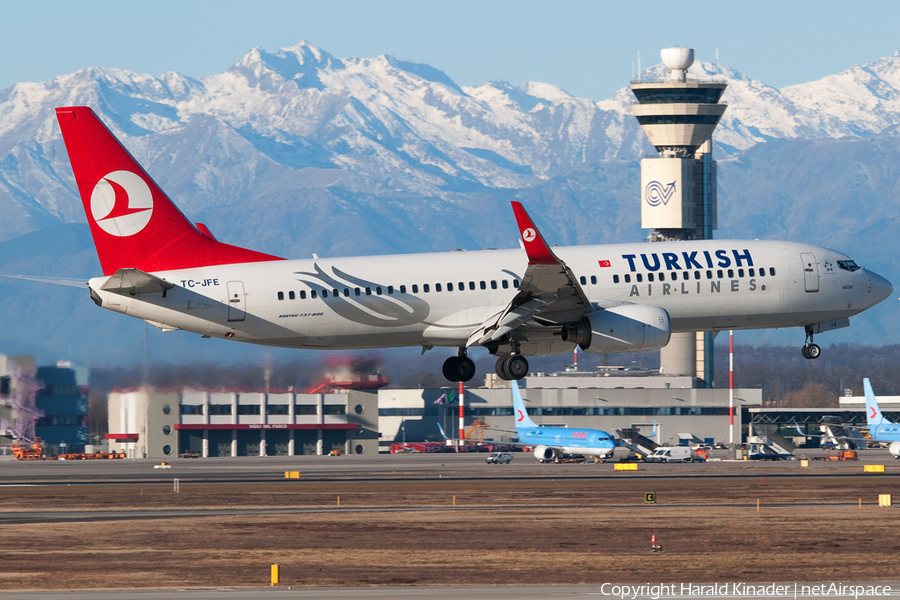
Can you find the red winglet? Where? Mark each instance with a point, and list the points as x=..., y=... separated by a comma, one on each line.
x=536, y=248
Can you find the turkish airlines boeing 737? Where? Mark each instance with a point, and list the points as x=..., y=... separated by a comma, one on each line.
x=160, y=267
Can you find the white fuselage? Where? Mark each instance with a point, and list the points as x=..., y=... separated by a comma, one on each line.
x=407, y=300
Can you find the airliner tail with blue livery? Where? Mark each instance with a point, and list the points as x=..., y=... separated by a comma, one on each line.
x=880, y=429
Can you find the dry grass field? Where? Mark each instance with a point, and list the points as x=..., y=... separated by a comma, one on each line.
x=500, y=532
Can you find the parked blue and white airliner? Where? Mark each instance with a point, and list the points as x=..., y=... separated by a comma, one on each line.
x=551, y=443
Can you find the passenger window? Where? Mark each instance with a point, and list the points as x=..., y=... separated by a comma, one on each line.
x=482, y=285
x=740, y=272
x=493, y=284
x=696, y=274
x=437, y=287
x=281, y=295
x=516, y=283
x=450, y=287
x=303, y=294
x=378, y=290
x=291, y=295
x=709, y=274
x=402, y=289
x=751, y=272
x=415, y=288
x=583, y=280
x=772, y=271
x=425, y=288
x=356, y=291
x=471, y=285
x=324, y=293
x=628, y=279
x=368, y=291
x=730, y=273
x=593, y=280
x=720, y=274
x=650, y=276
x=685, y=275
x=615, y=279
x=335, y=293
x=505, y=284
x=312, y=294
x=390, y=289
x=346, y=292
x=762, y=272
x=662, y=277
x=639, y=277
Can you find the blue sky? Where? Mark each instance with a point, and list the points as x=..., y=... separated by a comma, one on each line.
x=588, y=48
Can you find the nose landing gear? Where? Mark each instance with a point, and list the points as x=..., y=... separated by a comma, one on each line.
x=810, y=350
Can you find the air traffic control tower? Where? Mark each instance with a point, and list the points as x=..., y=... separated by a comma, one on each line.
x=678, y=187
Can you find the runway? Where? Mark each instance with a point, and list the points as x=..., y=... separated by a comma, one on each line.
x=406, y=467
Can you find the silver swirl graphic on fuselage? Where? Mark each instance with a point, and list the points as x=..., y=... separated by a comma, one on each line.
x=387, y=310
x=657, y=193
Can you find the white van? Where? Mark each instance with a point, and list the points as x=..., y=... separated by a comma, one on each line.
x=671, y=454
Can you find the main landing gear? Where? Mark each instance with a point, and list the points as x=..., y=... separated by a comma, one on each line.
x=459, y=368
x=514, y=366
x=810, y=350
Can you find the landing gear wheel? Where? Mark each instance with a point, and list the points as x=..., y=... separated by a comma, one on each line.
x=500, y=368
x=517, y=366
x=813, y=351
x=451, y=368
x=465, y=369
x=459, y=368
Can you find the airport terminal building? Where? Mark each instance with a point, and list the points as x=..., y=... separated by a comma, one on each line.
x=152, y=423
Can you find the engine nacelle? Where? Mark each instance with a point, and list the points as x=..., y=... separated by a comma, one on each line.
x=894, y=449
x=626, y=328
x=544, y=454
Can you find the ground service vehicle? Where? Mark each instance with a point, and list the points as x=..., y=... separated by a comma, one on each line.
x=497, y=458
x=671, y=454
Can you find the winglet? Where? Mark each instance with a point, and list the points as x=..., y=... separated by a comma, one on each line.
x=519, y=412
x=873, y=411
x=536, y=248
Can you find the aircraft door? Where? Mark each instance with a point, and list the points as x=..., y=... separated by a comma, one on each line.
x=810, y=271
x=235, y=301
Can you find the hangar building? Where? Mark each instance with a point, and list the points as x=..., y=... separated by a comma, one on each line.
x=152, y=423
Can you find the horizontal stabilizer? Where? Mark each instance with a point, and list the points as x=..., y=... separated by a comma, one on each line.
x=131, y=282
x=79, y=283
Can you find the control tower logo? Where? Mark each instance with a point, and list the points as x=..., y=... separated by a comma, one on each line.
x=657, y=193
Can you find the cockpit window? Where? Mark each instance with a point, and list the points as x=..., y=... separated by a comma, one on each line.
x=848, y=265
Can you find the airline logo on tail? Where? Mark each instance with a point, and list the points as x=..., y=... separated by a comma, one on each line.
x=121, y=203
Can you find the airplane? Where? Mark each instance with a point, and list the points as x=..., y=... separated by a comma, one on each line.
x=160, y=267
x=553, y=443
x=880, y=429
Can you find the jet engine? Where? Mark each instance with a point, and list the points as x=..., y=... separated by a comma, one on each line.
x=626, y=328
x=544, y=454
x=894, y=449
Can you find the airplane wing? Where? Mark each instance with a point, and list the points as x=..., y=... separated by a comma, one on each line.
x=549, y=292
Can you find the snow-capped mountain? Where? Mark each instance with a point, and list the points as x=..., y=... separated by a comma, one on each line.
x=296, y=151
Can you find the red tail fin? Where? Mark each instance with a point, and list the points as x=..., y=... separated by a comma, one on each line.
x=133, y=222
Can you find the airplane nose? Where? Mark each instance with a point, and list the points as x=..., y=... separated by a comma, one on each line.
x=878, y=286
